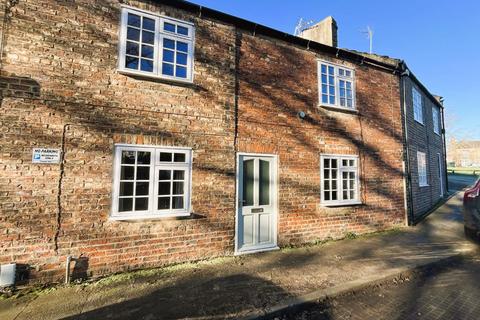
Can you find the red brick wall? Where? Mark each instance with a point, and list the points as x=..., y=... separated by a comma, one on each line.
x=277, y=81
x=63, y=56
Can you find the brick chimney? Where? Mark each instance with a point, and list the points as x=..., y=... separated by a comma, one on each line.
x=324, y=32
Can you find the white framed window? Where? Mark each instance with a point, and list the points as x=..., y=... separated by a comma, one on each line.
x=417, y=106
x=436, y=119
x=336, y=85
x=151, y=181
x=156, y=46
x=422, y=169
x=339, y=180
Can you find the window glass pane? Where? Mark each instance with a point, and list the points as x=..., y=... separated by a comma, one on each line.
x=179, y=157
x=264, y=183
x=334, y=195
x=126, y=188
x=334, y=174
x=168, y=55
x=163, y=188
x=131, y=63
x=147, y=51
x=324, y=79
x=132, y=48
x=133, y=34
x=248, y=182
x=133, y=20
x=177, y=188
x=326, y=163
x=169, y=27
x=345, y=184
x=334, y=184
x=342, y=102
x=182, y=46
x=181, y=58
x=148, y=24
x=126, y=173
x=326, y=195
x=146, y=65
x=332, y=100
x=148, y=37
x=142, y=189
x=345, y=195
x=165, y=157
x=141, y=204
x=324, y=98
x=178, y=175
x=167, y=43
x=181, y=72
x=125, y=204
x=324, y=88
x=128, y=157
x=143, y=173
x=177, y=203
x=326, y=174
x=326, y=184
x=163, y=203
x=164, y=175
x=334, y=163
x=143, y=157
x=182, y=30
x=167, y=69
x=330, y=70
x=324, y=68
x=352, y=194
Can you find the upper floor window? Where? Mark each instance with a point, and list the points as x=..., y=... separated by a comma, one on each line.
x=436, y=119
x=422, y=169
x=417, y=106
x=336, y=85
x=151, y=182
x=339, y=179
x=156, y=46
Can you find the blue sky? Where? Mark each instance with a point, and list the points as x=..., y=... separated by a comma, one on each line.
x=439, y=40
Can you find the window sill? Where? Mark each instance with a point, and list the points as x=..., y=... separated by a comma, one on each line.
x=342, y=204
x=336, y=108
x=423, y=124
x=423, y=185
x=149, y=217
x=151, y=76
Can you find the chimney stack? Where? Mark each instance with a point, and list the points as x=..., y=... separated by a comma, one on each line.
x=324, y=32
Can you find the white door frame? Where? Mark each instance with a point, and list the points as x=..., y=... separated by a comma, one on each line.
x=440, y=173
x=274, y=202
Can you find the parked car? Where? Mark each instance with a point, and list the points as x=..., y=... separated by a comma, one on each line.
x=471, y=211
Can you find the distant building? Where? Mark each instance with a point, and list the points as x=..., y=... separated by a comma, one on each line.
x=463, y=153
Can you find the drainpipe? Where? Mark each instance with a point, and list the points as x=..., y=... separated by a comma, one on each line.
x=444, y=150
x=409, y=196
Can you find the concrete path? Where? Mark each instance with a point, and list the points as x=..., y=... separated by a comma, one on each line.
x=235, y=287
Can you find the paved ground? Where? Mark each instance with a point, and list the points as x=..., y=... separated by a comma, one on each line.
x=236, y=286
x=445, y=291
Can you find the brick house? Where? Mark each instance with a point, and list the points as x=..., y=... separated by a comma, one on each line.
x=181, y=133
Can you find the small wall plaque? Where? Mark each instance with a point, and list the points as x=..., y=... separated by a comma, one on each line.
x=45, y=155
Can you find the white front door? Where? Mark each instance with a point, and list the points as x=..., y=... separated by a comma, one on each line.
x=256, y=228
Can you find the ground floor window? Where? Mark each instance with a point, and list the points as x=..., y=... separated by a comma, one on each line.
x=339, y=180
x=422, y=169
x=151, y=181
